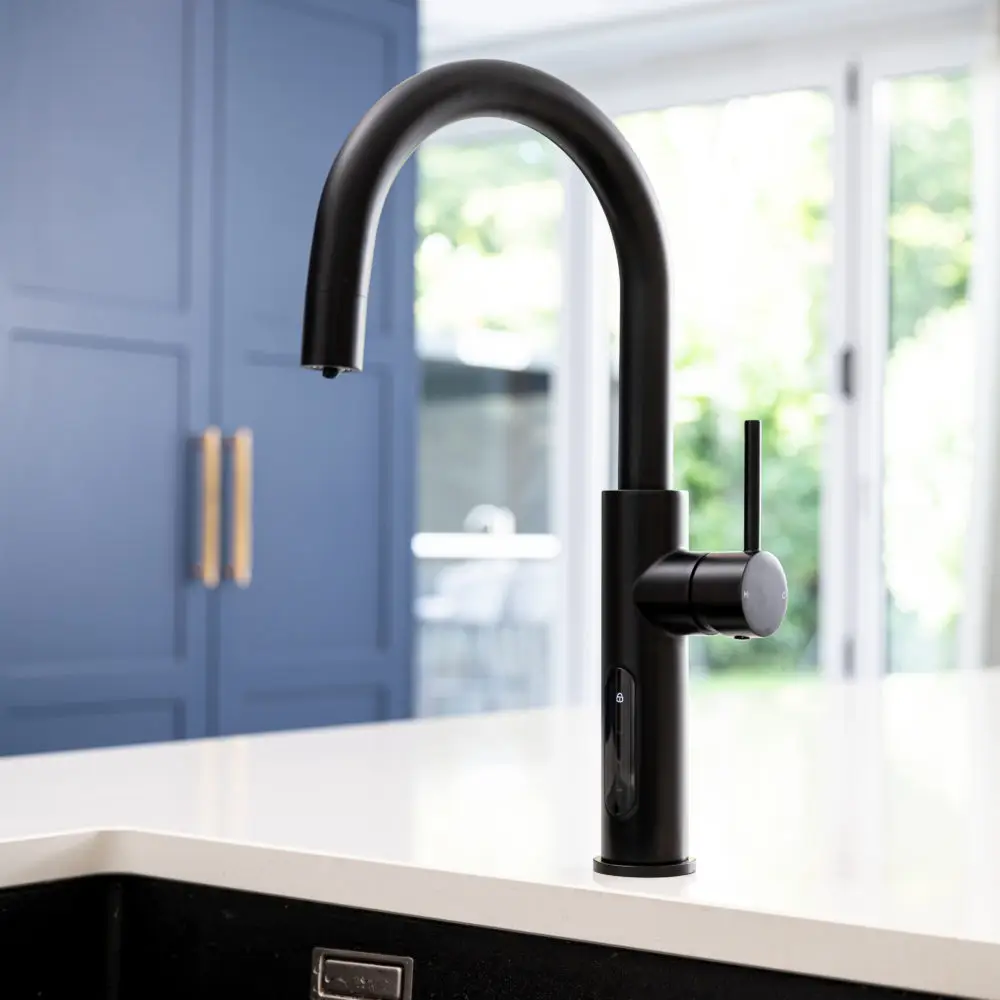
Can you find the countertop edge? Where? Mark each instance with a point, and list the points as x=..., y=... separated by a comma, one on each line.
x=874, y=956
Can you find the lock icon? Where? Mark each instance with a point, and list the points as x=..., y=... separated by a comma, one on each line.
x=620, y=698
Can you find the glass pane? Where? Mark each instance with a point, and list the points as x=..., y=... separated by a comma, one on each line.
x=483, y=637
x=484, y=439
x=929, y=378
x=745, y=189
x=488, y=289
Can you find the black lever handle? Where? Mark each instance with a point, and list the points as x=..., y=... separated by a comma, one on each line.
x=751, y=486
x=741, y=594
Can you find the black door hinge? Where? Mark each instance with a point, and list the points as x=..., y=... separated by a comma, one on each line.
x=852, y=86
x=848, y=658
x=847, y=375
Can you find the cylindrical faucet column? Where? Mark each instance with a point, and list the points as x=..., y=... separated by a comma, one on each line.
x=644, y=713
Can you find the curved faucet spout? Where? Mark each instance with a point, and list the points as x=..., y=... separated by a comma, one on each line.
x=347, y=220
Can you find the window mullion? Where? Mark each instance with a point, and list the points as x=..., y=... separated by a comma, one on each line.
x=872, y=345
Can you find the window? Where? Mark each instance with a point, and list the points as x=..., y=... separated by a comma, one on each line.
x=819, y=220
x=488, y=290
x=745, y=189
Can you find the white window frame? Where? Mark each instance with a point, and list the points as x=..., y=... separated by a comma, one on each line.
x=978, y=640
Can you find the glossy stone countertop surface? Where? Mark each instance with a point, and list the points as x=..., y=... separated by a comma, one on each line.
x=850, y=831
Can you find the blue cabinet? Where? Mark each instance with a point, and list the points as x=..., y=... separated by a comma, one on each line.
x=323, y=633
x=160, y=163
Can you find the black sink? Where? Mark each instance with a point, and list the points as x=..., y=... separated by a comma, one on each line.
x=113, y=937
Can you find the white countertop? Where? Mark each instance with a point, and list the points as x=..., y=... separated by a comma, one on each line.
x=844, y=831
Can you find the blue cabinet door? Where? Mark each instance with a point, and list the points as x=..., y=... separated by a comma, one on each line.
x=105, y=143
x=160, y=165
x=322, y=634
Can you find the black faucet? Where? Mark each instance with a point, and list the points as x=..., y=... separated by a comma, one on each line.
x=655, y=592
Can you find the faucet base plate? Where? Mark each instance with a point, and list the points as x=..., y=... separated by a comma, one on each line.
x=624, y=870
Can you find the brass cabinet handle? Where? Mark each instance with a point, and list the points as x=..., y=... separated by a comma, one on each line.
x=207, y=570
x=240, y=567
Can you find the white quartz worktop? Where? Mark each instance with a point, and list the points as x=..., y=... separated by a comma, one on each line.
x=844, y=831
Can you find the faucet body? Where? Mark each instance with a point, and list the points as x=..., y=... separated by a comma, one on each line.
x=650, y=580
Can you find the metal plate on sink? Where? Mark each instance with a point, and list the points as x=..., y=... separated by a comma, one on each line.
x=359, y=975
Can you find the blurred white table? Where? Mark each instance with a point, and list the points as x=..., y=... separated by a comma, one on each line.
x=844, y=831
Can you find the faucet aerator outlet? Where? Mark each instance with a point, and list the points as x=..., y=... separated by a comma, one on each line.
x=655, y=592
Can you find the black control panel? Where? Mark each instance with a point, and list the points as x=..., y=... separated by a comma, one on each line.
x=620, y=791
